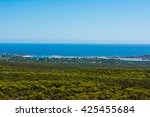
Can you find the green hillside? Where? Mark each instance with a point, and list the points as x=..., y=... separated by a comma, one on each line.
x=21, y=81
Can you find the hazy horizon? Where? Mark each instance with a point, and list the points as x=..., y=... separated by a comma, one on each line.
x=75, y=43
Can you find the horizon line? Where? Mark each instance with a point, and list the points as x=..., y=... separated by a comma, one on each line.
x=71, y=43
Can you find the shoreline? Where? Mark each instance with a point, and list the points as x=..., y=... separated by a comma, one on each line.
x=145, y=57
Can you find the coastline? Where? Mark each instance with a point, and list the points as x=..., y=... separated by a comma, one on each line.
x=145, y=57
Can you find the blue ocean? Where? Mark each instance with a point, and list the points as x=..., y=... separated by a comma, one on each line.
x=76, y=49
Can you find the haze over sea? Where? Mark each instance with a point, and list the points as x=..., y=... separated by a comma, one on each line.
x=76, y=49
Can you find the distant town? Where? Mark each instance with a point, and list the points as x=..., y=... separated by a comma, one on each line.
x=6, y=56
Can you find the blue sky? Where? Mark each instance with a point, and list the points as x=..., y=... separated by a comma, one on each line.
x=74, y=21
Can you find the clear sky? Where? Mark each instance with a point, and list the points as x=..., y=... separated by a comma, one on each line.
x=75, y=21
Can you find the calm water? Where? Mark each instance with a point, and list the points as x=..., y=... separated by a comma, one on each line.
x=75, y=49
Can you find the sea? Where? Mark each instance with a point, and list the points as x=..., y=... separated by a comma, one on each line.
x=75, y=49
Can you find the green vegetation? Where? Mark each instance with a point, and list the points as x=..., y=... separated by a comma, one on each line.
x=25, y=80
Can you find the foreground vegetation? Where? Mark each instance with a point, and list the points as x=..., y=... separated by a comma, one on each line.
x=20, y=80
